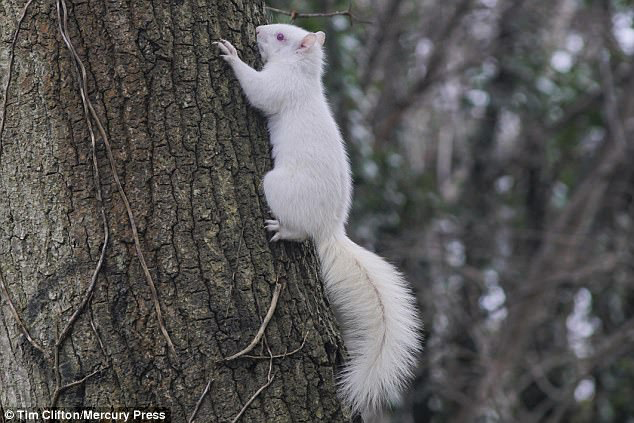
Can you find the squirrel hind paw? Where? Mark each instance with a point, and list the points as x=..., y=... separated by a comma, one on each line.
x=282, y=232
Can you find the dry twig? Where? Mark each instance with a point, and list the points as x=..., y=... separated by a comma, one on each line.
x=63, y=17
x=21, y=324
x=200, y=401
x=243, y=353
x=294, y=14
x=60, y=389
x=83, y=87
x=284, y=355
x=269, y=379
x=94, y=329
x=265, y=322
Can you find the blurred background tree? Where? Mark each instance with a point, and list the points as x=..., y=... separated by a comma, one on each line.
x=492, y=150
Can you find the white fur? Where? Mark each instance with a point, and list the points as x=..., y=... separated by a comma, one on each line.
x=309, y=191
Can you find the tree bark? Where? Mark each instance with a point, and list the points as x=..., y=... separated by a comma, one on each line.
x=190, y=154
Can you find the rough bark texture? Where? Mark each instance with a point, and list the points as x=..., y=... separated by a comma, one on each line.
x=191, y=154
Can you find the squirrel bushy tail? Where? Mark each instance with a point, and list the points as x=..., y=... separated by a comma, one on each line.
x=380, y=325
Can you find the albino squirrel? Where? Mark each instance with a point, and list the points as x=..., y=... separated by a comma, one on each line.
x=309, y=192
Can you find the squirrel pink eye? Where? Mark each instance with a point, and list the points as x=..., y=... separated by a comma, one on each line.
x=280, y=37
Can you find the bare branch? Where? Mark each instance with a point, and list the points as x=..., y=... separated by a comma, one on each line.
x=614, y=121
x=294, y=14
x=98, y=195
x=436, y=60
x=269, y=380
x=200, y=401
x=286, y=354
x=94, y=329
x=89, y=290
x=258, y=336
x=60, y=389
x=63, y=17
x=18, y=319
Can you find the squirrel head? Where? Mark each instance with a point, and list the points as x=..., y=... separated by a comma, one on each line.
x=290, y=43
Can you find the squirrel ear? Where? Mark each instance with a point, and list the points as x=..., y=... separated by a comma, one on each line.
x=321, y=37
x=307, y=41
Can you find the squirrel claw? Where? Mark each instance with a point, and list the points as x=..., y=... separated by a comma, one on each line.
x=227, y=48
x=272, y=225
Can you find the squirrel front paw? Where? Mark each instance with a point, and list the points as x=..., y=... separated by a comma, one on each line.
x=230, y=52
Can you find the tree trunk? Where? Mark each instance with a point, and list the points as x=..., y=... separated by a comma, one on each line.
x=190, y=153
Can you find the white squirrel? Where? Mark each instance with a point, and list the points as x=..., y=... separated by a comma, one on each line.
x=309, y=192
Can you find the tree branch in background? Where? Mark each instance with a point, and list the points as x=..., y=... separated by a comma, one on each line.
x=574, y=219
x=435, y=62
x=382, y=32
x=294, y=14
